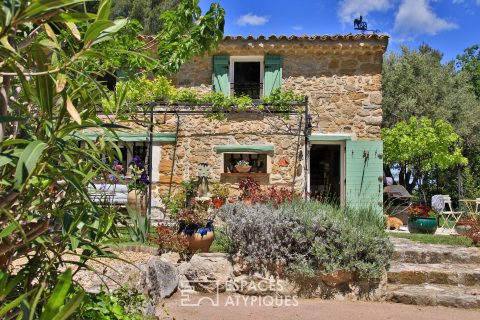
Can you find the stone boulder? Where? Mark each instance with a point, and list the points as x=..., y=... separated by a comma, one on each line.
x=208, y=272
x=159, y=278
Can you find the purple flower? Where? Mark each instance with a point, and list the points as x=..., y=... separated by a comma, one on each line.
x=113, y=178
x=115, y=162
x=103, y=187
x=137, y=161
x=144, y=178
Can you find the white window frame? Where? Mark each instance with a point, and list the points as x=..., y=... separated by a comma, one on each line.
x=269, y=158
x=231, y=76
x=342, y=145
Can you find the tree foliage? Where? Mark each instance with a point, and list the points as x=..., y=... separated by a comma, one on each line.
x=417, y=84
x=147, y=12
x=420, y=145
x=48, y=95
x=469, y=62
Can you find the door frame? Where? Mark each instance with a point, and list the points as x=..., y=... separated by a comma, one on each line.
x=342, y=144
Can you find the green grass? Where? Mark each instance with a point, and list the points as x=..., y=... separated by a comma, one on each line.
x=435, y=239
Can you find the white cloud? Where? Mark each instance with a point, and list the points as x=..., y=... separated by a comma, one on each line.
x=250, y=19
x=351, y=9
x=415, y=17
x=299, y=28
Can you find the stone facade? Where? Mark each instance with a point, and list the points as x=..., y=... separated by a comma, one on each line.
x=339, y=75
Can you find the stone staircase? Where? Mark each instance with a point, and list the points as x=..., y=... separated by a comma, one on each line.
x=434, y=275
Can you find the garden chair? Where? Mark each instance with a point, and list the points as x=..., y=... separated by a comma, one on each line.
x=448, y=214
x=477, y=207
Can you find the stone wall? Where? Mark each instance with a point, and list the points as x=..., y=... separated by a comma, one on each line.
x=341, y=78
x=198, y=136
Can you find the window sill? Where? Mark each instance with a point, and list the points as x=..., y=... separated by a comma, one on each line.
x=262, y=178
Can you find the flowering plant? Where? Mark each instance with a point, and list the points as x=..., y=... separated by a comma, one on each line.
x=419, y=211
x=140, y=180
x=170, y=240
x=243, y=163
x=194, y=221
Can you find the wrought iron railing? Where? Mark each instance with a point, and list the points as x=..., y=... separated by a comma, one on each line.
x=253, y=90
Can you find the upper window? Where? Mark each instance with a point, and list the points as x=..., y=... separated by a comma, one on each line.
x=255, y=76
x=246, y=76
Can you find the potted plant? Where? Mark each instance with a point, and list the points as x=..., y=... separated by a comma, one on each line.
x=219, y=194
x=243, y=166
x=197, y=228
x=137, y=187
x=422, y=219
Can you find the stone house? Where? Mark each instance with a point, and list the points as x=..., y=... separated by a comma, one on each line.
x=341, y=154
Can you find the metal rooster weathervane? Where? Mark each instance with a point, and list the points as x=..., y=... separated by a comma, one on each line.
x=359, y=24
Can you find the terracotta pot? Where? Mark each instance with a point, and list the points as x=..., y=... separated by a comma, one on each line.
x=337, y=278
x=218, y=202
x=137, y=201
x=243, y=169
x=199, y=243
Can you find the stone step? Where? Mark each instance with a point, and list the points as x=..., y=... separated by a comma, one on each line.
x=414, y=252
x=435, y=295
x=434, y=273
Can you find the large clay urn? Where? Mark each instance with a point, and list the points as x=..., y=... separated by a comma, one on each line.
x=137, y=201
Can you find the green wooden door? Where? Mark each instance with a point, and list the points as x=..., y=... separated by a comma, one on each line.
x=364, y=174
x=220, y=74
x=273, y=74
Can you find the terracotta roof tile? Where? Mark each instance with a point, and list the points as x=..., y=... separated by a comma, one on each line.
x=350, y=36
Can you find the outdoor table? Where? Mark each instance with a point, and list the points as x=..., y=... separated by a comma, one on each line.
x=469, y=206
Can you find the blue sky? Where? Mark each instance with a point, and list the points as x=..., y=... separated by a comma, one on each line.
x=447, y=25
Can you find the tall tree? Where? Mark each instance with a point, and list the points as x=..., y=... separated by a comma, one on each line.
x=147, y=12
x=417, y=84
x=469, y=62
x=418, y=146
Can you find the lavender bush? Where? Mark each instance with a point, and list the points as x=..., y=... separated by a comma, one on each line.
x=308, y=238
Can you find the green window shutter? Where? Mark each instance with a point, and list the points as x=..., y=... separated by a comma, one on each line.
x=273, y=74
x=220, y=74
x=364, y=174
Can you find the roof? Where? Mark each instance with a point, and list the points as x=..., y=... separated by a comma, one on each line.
x=350, y=36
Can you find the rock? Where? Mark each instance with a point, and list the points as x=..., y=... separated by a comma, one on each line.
x=172, y=257
x=159, y=278
x=208, y=272
x=337, y=278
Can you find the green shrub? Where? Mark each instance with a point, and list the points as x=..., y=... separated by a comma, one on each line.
x=120, y=304
x=309, y=238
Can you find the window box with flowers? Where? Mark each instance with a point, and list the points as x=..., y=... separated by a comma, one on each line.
x=422, y=219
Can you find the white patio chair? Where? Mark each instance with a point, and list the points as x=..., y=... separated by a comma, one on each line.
x=448, y=213
x=477, y=207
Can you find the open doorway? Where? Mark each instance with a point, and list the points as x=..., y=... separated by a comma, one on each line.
x=325, y=173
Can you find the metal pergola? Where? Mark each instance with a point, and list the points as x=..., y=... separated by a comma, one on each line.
x=269, y=110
